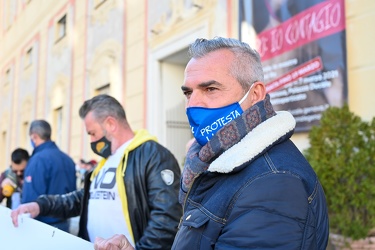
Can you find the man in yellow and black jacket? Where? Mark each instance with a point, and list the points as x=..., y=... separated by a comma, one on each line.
x=133, y=190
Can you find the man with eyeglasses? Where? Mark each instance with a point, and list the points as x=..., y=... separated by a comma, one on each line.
x=11, y=180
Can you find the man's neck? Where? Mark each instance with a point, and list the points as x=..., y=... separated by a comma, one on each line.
x=122, y=137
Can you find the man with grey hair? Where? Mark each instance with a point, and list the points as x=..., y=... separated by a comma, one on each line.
x=244, y=185
x=48, y=171
x=133, y=190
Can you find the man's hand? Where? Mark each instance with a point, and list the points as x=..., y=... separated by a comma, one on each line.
x=116, y=242
x=31, y=208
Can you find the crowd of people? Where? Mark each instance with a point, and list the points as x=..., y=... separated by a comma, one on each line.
x=244, y=184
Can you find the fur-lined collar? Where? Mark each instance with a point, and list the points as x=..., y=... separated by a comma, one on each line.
x=261, y=137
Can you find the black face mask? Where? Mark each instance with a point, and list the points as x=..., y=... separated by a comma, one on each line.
x=102, y=147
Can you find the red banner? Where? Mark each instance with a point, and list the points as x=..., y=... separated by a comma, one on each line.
x=303, y=50
x=314, y=23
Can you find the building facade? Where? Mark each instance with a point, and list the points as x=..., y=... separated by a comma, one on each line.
x=56, y=54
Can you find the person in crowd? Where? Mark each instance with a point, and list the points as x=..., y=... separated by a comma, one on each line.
x=133, y=190
x=49, y=171
x=244, y=185
x=11, y=180
x=85, y=167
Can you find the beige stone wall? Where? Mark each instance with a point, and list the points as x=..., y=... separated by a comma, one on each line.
x=27, y=26
x=151, y=39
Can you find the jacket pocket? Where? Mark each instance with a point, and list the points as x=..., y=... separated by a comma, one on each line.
x=197, y=231
x=195, y=219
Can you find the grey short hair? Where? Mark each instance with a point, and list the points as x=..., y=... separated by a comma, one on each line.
x=41, y=128
x=103, y=106
x=246, y=68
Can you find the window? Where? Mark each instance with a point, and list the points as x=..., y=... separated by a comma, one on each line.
x=3, y=148
x=7, y=77
x=61, y=28
x=103, y=89
x=28, y=58
x=9, y=13
x=25, y=137
x=58, y=121
x=97, y=3
x=26, y=1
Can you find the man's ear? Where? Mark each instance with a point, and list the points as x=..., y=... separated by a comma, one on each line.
x=258, y=92
x=111, y=123
x=34, y=137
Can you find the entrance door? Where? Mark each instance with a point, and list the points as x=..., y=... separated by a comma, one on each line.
x=177, y=132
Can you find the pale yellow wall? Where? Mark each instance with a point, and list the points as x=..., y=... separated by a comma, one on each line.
x=136, y=63
x=360, y=39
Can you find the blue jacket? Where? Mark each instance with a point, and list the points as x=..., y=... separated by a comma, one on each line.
x=48, y=171
x=259, y=194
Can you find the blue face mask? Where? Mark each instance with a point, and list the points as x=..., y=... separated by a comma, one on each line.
x=205, y=122
x=82, y=171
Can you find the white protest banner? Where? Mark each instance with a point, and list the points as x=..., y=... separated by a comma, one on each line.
x=32, y=234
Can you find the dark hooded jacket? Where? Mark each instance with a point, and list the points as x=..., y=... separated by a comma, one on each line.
x=259, y=194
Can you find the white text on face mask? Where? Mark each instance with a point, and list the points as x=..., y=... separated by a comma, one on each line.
x=220, y=123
